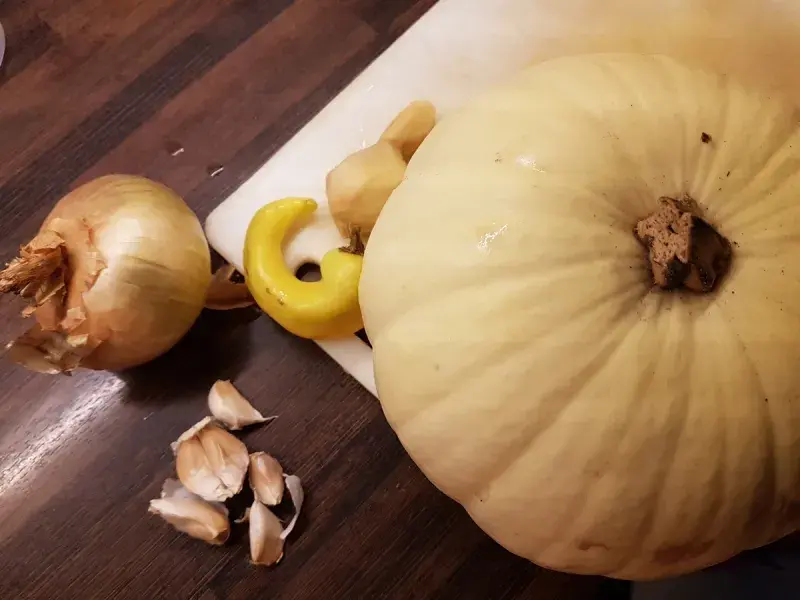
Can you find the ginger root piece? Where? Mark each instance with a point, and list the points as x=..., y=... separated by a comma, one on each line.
x=410, y=128
x=359, y=187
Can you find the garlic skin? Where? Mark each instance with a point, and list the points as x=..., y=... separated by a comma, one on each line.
x=2, y=44
x=266, y=543
x=266, y=478
x=190, y=514
x=232, y=409
x=295, y=487
x=211, y=462
x=245, y=518
x=190, y=433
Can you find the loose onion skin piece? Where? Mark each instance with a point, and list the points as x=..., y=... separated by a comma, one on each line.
x=136, y=268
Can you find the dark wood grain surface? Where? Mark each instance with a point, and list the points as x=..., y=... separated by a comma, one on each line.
x=96, y=86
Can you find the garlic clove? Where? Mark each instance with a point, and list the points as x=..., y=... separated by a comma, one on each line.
x=232, y=409
x=191, y=433
x=266, y=543
x=266, y=478
x=295, y=487
x=224, y=294
x=227, y=455
x=211, y=462
x=190, y=514
x=195, y=472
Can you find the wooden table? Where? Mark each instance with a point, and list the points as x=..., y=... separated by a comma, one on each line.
x=92, y=87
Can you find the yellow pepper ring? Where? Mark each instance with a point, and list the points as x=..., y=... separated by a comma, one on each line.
x=314, y=310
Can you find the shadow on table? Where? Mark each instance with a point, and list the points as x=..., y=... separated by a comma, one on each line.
x=216, y=347
x=769, y=573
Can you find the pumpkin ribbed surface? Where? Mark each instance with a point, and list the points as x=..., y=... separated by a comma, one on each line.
x=587, y=420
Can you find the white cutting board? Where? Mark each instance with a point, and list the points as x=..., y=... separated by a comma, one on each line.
x=459, y=48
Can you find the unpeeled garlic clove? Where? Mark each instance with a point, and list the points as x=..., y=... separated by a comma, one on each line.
x=266, y=543
x=190, y=514
x=232, y=409
x=211, y=462
x=190, y=433
x=295, y=487
x=266, y=478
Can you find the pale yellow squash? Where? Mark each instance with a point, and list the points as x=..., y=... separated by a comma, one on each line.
x=586, y=420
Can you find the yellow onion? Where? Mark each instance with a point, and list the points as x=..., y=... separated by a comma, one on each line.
x=116, y=276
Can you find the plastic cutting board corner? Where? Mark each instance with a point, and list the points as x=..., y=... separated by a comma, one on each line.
x=460, y=47
x=441, y=58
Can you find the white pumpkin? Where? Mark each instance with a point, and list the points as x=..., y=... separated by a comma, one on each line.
x=586, y=420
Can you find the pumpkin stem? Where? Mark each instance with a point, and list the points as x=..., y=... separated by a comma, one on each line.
x=683, y=249
x=356, y=245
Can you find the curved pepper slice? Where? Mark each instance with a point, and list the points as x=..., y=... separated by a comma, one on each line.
x=314, y=310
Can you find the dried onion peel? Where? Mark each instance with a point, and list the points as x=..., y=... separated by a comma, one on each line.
x=225, y=294
x=116, y=277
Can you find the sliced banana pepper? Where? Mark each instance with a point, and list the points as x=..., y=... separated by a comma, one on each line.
x=315, y=310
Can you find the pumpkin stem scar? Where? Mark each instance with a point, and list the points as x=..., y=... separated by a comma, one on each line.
x=683, y=249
